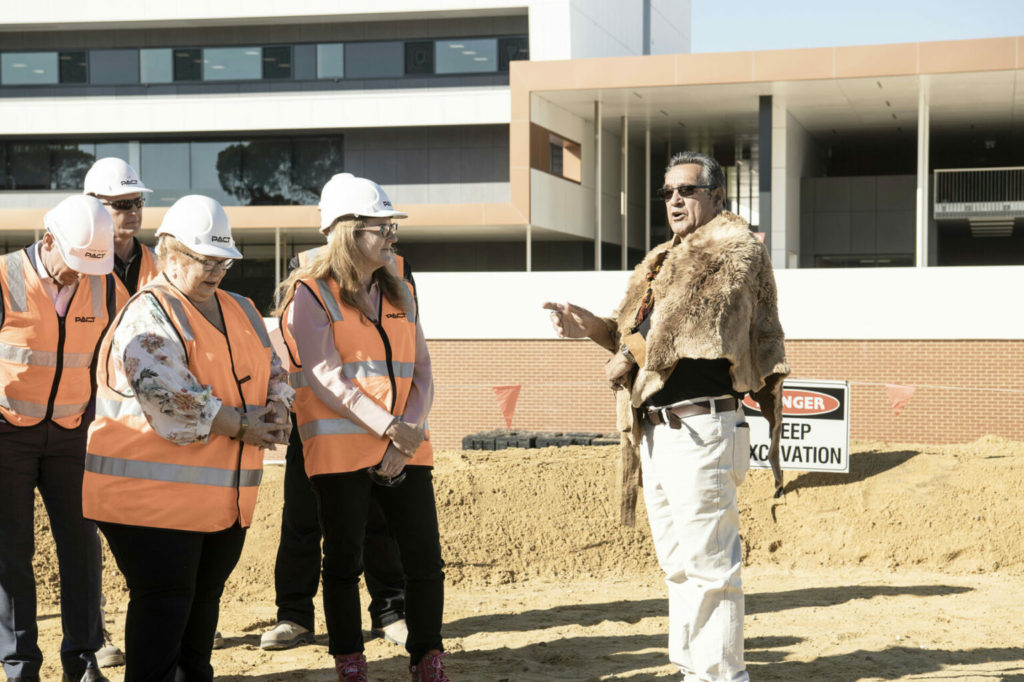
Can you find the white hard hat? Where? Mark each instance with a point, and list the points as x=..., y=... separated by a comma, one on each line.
x=201, y=224
x=112, y=177
x=345, y=194
x=84, y=234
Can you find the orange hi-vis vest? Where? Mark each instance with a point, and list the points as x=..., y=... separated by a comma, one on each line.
x=133, y=476
x=379, y=359
x=147, y=268
x=46, y=361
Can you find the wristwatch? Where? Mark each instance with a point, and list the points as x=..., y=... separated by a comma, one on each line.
x=624, y=349
x=243, y=425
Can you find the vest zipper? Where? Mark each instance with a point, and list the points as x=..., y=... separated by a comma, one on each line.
x=59, y=370
x=379, y=324
x=241, y=396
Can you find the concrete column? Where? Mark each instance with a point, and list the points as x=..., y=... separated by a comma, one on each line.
x=647, y=188
x=529, y=247
x=277, y=257
x=764, y=167
x=624, y=195
x=597, y=186
x=923, y=176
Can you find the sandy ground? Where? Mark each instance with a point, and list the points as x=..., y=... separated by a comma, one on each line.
x=909, y=568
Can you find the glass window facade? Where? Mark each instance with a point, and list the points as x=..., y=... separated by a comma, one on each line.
x=374, y=60
x=74, y=67
x=113, y=67
x=188, y=64
x=28, y=68
x=232, y=63
x=303, y=62
x=277, y=62
x=156, y=65
x=466, y=56
x=330, y=60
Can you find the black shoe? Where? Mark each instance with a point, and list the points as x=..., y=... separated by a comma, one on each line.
x=90, y=675
x=28, y=678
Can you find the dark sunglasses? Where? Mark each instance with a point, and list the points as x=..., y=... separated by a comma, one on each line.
x=385, y=230
x=387, y=481
x=125, y=204
x=665, y=193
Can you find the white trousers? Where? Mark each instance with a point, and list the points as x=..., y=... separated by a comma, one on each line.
x=690, y=476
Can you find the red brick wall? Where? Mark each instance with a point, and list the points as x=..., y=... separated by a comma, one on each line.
x=958, y=383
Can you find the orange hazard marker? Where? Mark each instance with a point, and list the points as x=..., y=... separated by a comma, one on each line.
x=507, y=397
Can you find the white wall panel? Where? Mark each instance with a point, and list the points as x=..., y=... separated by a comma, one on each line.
x=264, y=111
x=875, y=303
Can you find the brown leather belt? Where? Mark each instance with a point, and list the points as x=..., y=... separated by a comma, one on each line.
x=675, y=415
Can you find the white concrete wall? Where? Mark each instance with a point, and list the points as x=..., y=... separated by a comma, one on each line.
x=254, y=111
x=873, y=303
x=670, y=26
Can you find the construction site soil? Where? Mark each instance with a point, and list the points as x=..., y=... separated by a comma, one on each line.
x=909, y=567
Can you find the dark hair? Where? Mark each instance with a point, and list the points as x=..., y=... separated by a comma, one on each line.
x=711, y=172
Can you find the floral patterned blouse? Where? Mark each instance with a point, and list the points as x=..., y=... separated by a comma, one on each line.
x=149, y=361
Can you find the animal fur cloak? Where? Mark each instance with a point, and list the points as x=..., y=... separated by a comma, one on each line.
x=714, y=297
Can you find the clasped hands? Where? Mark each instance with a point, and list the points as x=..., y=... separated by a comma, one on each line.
x=406, y=438
x=268, y=425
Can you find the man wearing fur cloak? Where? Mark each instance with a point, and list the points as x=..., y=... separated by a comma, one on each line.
x=697, y=329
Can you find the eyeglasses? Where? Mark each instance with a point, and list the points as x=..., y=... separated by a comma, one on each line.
x=209, y=265
x=125, y=204
x=386, y=230
x=387, y=481
x=665, y=193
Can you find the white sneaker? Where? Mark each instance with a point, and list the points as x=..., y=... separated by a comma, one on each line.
x=218, y=640
x=285, y=635
x=396, y=632
x=109, y=656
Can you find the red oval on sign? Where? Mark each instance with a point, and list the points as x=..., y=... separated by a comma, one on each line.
x=798, y=402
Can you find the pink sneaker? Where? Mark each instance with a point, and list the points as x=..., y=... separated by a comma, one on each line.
x=351, y=668
x=430, y=668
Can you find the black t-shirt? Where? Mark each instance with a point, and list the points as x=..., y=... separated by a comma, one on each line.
x=128, y=271
x=692, y=378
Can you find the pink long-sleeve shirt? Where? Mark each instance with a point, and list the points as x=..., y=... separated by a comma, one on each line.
x=310, y=326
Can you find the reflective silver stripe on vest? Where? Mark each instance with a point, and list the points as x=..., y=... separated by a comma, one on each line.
x=38, y=410
x=42, y=358
x=115, y=409
x=255, y=319
x=376, y=368
x=297, y=379
x=16, y=282
x=330, y=427
x=333, y=309
x=99, y=305
x=178, y=310
x=173, y=473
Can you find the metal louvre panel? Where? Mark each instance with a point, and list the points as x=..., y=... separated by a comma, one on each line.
x=255, y=319
x=16, y=282
x=330, y=427
x=173, y=473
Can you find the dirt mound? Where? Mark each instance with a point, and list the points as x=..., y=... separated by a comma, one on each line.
x=515, y=515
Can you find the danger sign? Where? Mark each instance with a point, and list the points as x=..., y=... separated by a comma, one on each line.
x=815, y=427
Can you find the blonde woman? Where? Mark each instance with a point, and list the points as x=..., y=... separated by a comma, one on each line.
x=364, y=388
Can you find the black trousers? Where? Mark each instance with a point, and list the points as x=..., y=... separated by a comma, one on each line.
x=52, y=459
x=342, y=503
x=175, y=581
x=297, y=570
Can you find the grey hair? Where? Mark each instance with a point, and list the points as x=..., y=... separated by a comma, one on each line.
x=711, y=172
